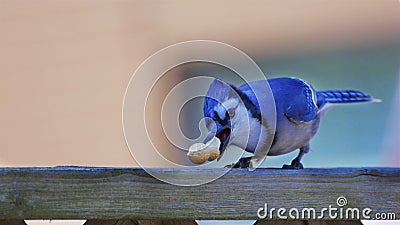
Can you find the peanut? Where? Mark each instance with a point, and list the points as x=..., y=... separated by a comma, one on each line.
x=199, y=153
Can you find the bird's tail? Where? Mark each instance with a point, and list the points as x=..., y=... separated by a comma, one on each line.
x=343, y=96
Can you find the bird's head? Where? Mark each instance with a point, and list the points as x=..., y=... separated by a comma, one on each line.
x=225, y=113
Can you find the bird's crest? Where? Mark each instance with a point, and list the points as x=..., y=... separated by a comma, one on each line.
x=218, y=92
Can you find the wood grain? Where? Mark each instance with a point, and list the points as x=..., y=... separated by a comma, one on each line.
x=309, y=222
x=125, y=193
x=12, y=222
x=140, y=222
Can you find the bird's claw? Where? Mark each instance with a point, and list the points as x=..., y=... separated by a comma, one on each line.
x=242, y=163
x=295, y=165
x=230, y=165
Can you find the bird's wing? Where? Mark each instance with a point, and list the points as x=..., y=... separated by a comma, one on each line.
x=294, y=98
x=299, y=99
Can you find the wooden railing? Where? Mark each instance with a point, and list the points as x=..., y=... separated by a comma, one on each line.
x=131, y=196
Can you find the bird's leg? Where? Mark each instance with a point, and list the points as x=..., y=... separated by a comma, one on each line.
x=296, y=164
x=242, y=163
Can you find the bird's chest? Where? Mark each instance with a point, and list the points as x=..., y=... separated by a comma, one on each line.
x=291, y=136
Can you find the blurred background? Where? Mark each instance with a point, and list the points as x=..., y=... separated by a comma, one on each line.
x=65, y=66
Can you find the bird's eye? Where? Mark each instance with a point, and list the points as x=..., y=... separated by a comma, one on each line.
x=230, y=113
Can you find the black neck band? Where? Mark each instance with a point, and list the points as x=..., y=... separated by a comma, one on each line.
x=248, y=104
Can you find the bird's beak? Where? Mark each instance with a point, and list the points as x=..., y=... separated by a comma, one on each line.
x=209, y=136
x=223, y=135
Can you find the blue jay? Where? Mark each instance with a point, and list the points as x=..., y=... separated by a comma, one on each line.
x=230, y=111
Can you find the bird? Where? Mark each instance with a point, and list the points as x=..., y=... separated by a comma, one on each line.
x=274, y=116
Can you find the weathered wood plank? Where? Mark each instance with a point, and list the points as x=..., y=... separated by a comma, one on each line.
x=140, y=222
x=111, y=222
x=124, y=193
x=166, y=222
x=12, y=222
x=309, y=222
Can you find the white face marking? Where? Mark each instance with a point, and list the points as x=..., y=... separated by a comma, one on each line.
x=245, y=129
x=240, y=126
x=221, y=109
x=231, y=103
